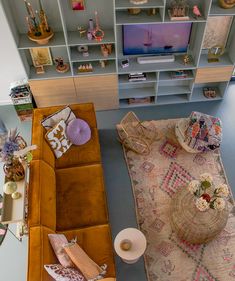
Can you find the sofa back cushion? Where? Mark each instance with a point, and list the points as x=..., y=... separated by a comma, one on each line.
x=42, y=195
x=91, y=149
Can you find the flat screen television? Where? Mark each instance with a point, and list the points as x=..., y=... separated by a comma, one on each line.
x=157, y=39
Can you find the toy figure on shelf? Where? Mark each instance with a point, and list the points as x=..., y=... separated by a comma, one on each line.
x=179, y=10
x=98, y=33
x=61, y=67
x=196, y=12
x=85, y=68
x=38, y=28
x=186, y=59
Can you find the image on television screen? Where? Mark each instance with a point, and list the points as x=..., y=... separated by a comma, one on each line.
x=161, y=38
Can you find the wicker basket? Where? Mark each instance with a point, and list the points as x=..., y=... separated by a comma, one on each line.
x=192, y=225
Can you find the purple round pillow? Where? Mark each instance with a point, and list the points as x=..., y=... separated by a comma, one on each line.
x=78, y=131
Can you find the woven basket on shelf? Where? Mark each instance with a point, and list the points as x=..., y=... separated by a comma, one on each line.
x=191, y=224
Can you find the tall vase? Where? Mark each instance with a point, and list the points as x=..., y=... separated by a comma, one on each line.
x=14, y=171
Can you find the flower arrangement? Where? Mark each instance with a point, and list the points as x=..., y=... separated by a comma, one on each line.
x=11, y=145
x=208, y=196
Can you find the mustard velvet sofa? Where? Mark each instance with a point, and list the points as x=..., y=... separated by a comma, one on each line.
x=67, y=195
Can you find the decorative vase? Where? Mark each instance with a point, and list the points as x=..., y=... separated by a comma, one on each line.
x=14, y=171
x=193, y=225
x=226, y=4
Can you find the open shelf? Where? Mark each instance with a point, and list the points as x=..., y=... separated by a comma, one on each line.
x=224, y=60
x=123, y=17
x=97, y=69
x=191, y=18
x=74, y=39
x=153, y=67
x=150, y=77
x=198, y=95
x=125, y=104
x=50, y=73
x=167, y=76
x=137, y=93
x=94, y=54
x=216, y=10
x=56, y=41
x=172, y=99
x=125, y=4
x=173, y=90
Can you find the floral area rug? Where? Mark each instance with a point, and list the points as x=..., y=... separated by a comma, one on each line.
x=155, y=179
x=3, y=228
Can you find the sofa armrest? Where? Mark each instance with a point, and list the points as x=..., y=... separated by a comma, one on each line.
x=40, y=253
x=42, y=195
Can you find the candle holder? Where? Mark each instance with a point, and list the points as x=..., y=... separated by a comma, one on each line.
x=38, y=29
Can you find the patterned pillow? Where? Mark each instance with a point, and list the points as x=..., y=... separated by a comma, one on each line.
x=57, y=139
x=66, y=114
x=57, y=241
x=60, y=273
x=82, y=261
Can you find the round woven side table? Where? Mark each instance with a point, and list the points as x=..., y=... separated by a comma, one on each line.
x=191, y=224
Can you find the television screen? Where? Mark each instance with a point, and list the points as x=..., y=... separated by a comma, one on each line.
x=161, y=38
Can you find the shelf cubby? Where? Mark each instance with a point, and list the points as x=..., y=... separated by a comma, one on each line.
x=172, y=99
x=125, y=4
x=153, y=67
x=136, y=90
x=97, y=69
x=173, y=90
x=216, y=10
x=197, y=94
x=150, y=77
x=124, y=104
x=123, y=17
x=167, y=76
x=224, y=60
x=74, y=39
x=94, y=54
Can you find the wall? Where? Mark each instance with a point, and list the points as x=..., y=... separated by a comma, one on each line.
x=11, y=66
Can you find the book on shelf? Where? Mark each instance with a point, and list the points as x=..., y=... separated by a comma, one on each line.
x=139, y=100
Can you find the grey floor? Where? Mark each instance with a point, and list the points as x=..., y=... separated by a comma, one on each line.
x=13, y=254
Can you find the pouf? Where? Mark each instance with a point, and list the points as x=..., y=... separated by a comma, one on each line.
x=78, y=131
x=193, y=225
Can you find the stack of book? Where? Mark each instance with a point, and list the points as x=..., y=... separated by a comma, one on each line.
x=22, y=99
x=135, y=77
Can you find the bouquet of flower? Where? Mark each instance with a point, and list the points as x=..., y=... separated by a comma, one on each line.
x=208, y=195
x=13, y=143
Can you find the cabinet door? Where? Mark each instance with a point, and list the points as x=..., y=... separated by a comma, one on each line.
x=211, y=74
x=53, y=92
x=102, y=90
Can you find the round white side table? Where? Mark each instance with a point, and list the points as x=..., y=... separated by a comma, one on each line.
x=138, y=245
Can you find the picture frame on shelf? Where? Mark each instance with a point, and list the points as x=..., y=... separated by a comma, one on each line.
x=217, y=31
x=41, y=56
x=78, y=5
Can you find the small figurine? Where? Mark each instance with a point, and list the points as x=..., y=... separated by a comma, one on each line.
x=186, y=59
x=82, y=31
x=196, y=12
x=61, y=67
x=85, y=68
x=103, y=63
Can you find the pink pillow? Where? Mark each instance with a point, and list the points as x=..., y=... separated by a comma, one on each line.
x=57, y=241
x=60, y=273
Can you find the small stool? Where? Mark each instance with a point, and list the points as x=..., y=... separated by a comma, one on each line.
x=130, y=244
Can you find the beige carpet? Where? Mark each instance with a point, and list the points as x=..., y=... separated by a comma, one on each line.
x=155, y=178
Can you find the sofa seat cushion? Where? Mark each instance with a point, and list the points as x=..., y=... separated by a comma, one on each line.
x=81, y=154
x=80, y=197
x=97, y=243
x=88, y=153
